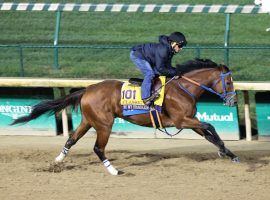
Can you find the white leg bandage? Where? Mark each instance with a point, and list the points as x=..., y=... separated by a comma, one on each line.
x=110, y=168
x=60, y=158
x=62, y=155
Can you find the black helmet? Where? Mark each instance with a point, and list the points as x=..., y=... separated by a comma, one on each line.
x=178, y=38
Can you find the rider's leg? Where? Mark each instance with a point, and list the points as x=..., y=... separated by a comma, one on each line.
x=148, y=73
x=147, y=83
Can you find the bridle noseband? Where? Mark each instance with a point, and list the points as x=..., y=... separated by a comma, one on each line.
x=225, y=95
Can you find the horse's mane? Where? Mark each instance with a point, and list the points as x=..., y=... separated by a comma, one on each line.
x=195, y=64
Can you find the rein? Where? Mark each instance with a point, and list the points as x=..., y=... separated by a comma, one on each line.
x=222, y=78
x=169, y=134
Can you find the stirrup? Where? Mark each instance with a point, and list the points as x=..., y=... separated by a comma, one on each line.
x=148, y=101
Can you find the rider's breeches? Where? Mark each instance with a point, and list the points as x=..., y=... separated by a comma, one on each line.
x=148, y=73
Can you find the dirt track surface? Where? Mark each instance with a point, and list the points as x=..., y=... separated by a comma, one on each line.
x=155, y=169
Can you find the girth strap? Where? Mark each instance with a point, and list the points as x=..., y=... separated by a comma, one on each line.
x=155, y=119
x=154, y=115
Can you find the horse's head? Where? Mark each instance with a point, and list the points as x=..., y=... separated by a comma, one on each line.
x=223, y=85
x=214, y=78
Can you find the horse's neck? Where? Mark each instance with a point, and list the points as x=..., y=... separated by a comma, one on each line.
x=204, y=77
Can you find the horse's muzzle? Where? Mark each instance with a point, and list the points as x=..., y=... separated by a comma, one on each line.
x=230, y=100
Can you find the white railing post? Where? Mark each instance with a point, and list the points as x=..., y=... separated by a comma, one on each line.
x=65, y=123
x=247, y=116
x=64, y=116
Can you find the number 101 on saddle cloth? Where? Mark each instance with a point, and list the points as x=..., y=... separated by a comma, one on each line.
x=131, y=99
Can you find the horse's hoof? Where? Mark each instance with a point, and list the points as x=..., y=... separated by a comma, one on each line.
x=112, y=170
x=236, y=160
x=120, y=173
x=59, y=158
x=221, y=154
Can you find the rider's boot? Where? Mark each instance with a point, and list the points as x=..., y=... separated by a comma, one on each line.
x=150, y=100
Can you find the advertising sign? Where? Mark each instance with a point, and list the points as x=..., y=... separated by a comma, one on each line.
x=13, y=106
x=223, y=118
x=263, y=114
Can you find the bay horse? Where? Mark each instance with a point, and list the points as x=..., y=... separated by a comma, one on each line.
x=100, y=105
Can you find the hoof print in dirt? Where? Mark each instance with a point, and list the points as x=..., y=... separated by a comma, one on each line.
x=56, y=167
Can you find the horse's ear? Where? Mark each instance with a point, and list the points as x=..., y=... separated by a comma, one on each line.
x=223, y=66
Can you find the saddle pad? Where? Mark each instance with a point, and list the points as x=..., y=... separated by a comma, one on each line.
x=131, y=94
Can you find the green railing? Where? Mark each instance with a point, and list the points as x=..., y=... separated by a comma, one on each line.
x=227, y=10
x=55, y=49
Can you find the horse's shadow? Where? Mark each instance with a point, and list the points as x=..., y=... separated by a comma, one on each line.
x=253, y=159
x=123, y=158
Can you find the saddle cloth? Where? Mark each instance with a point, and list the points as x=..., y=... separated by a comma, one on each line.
x=131, y=99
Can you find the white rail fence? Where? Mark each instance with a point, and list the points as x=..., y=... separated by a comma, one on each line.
x=245, y=87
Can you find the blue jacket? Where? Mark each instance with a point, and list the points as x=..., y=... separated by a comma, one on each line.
x=159, y=55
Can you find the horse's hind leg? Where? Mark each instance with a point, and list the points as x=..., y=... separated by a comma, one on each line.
x=103, y=134
x=79, y=132
x=210, y=134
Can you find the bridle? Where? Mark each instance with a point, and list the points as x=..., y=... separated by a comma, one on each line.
x=225, y=95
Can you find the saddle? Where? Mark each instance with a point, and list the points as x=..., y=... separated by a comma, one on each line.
x=132, y=103
x=156, y=84
x=131, y=100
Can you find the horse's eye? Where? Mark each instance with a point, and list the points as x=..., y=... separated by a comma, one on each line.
x=228, y=83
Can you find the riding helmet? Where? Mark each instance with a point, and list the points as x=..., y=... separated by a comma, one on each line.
x=178, y=38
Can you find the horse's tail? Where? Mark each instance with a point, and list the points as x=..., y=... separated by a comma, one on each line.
x=52, y=106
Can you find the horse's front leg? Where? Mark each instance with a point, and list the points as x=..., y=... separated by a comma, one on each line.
x=210, y=134
x=208, y=131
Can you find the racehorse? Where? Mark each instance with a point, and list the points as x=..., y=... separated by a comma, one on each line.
x=100, y=105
